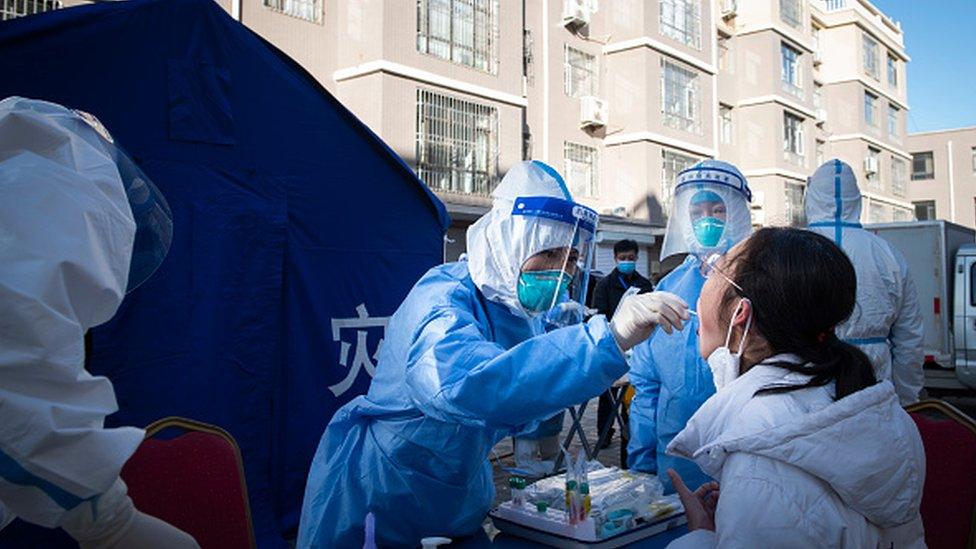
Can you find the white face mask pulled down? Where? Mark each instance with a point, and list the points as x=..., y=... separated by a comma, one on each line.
x=723, y=363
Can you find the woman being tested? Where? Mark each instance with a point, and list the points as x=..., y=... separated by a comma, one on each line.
x=810, y=450
x=474, y=354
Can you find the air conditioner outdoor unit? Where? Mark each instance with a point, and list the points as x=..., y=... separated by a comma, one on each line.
x=593, y=112
x=576, y=13
x=729, y=8
x=871, y=165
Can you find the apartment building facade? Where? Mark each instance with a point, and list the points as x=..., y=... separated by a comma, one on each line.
x=943, y=175
x=618, y=95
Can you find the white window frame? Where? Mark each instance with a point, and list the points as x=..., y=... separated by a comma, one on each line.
x=929, y=173
x=899, y=177
x=671, y=165
x=892, y=65
x=793, y=193
x=308, y=10
x=876, y=212
x=790, y=69
x=680, y=20
x=793, y=138
x=894, y=121
x=725, y=123
x=791, y=12
x=870, y=110
x=870, y=57
x=681, y=108
x=464, y=32
x=457, y=144
x=579, y=72
x=10, y=9
x=582, y=170
x=928, y=206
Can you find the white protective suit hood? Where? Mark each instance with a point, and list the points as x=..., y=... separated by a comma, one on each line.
x=66, y=238
x=864, y=445
x=832, y=196
x=500, y=242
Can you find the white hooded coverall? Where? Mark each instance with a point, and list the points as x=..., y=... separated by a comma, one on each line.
x=886, y=323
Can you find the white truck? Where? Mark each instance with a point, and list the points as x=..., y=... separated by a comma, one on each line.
x=941, y=257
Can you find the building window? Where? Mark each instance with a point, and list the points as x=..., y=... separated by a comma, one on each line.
x=790, y=69
x=457, y=144
x=876, y=213
x=870, y=116
x=974, y=159
x=681, y=20
x=793, y=138
x=725, y=118
x=899, y=177
x=309, y=10
x=790, y=12
x=680, y=97
x=903, y=214
x=795, y=216
x=819, y=153
x=870, y=57
x=871, y=168
x=924, y=210
x=923, y=166
x=582, y=170
x=892, y=71
x=672, y=163
x=462, y=31
x=893, y=112
x=10, y=9
x=724, y=54
x=579, y=73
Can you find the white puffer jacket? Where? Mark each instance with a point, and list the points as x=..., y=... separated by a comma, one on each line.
x=799, y=469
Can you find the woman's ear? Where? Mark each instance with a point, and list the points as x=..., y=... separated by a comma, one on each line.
x=744, y=313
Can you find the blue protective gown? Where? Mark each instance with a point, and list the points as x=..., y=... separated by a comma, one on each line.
x=672, y=381
x=456, y=374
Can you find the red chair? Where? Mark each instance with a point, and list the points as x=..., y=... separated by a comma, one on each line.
x=194, y=481
x=949, y=496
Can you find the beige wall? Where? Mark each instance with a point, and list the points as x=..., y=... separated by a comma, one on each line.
x=954, y=186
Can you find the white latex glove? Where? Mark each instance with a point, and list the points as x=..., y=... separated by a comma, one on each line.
x=638, y=315
x=117, y=524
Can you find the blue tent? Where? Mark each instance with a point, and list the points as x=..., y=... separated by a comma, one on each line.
x=297, y=231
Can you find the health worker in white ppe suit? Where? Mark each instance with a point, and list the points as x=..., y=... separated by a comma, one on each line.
x=886, y=323
x=474, y=354
x=74, y=210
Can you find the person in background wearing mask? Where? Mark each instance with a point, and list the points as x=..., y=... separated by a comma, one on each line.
x=810, y=450
x=887, y=323
x=479, y=350
x=710, y=214
x=606, y=296
x=80, y=225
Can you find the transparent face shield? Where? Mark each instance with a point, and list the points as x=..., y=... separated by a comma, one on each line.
x=706, y=219
x=153, y=218
x=554, y=280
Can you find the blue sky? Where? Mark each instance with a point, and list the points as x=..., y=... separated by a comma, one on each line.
x=940, y=37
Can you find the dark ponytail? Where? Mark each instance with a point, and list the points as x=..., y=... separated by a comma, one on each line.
x=801, y=286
